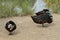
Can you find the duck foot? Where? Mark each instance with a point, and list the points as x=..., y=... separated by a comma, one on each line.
x=43, y=25
x=10, y=33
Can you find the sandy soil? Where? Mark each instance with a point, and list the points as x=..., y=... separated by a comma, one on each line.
x=28, y=30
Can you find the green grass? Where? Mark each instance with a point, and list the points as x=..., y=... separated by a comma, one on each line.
x=7, y=8
x=53, y=4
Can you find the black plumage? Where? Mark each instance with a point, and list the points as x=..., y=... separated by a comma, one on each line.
x=10, y=26
x=41, y=19
x=43, y=12
x=39, y=13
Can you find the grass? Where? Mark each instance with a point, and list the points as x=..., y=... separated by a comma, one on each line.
x=53, y=4
x=7, y=9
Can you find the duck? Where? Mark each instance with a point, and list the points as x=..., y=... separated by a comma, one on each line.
x=41, y=19
x=10, y=26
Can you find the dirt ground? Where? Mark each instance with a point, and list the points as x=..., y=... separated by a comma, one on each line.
x=28, y=30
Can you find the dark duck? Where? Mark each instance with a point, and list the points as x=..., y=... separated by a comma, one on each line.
x=10, y=26
x=42, y=17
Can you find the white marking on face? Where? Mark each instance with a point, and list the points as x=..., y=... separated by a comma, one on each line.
x=10, y=26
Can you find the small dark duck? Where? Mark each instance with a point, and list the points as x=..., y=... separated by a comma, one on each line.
x=10, y=26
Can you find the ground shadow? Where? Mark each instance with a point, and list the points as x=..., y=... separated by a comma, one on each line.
x=46, y=25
